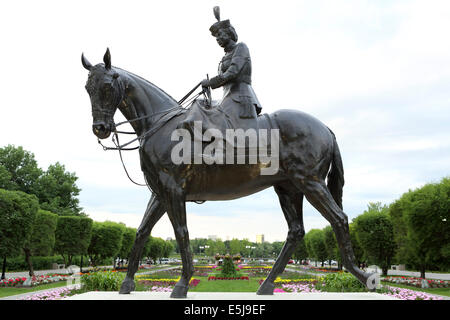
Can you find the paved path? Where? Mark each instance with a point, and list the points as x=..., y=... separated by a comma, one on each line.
x=158, y=270
x=428, y=275
x=62, y=271
x=317, y=274
x=24, y=295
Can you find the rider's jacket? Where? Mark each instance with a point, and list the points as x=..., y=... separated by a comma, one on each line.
x=235, y=71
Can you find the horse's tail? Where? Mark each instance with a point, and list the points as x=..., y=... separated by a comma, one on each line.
x=335, y=178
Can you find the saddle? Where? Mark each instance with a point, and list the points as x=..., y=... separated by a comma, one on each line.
x=215, y=117
x=202, y=117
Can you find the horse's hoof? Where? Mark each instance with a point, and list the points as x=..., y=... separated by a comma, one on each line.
x=127, y=286
x=179, y=291
x=266, y=288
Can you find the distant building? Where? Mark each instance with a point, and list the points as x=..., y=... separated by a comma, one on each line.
x=212, y=237
x=259, y=238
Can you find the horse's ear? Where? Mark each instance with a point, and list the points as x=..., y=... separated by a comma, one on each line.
x=107, y=59
x=86, y=63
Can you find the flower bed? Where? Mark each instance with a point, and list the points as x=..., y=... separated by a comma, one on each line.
x=204, y=271
x=49, y=278
x=163, y=283
x=281, y=282
x=36, y=280
x=13, y=282
x=416, y=282
x=407, y=294
x=278, y=280
x=325, y=270
x=54, y=294
x=228, y=278
x=299, y=287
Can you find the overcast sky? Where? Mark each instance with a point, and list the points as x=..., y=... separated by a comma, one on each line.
x=376, y=72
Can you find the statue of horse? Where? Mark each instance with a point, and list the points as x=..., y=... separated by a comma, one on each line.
x=310, y=165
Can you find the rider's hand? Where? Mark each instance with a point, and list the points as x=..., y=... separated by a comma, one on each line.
x=205, y=83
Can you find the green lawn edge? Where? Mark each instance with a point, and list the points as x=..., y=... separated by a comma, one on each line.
x=12, y=291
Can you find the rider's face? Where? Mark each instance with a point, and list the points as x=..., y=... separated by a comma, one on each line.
x=222, y=38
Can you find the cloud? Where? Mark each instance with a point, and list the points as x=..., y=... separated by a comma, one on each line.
x=376, y=73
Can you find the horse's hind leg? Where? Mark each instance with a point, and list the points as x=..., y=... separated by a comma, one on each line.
x=291, y=202
x=319, y=196
x=153, y=213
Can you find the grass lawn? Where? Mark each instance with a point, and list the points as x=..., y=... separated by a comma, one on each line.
x=438, y=291
x=204, y=285
x=6, y=292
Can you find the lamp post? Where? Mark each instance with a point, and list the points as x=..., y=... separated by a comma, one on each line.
x=204, y=249
x=251, y=251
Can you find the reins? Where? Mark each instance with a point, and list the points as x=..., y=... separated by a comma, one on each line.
x=154, y=129
x=181, y=102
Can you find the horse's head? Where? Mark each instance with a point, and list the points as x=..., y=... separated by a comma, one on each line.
x=106, y=93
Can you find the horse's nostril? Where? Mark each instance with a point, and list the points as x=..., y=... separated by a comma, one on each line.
x=98, y=128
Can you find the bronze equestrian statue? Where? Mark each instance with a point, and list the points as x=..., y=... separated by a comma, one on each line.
x=310, y=163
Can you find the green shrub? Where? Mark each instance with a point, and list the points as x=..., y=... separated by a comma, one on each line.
x=228, y=269
x=45, y=263
x=102, y=281
x=340, y=282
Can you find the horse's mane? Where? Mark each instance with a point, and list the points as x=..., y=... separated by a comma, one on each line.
x=132, y=75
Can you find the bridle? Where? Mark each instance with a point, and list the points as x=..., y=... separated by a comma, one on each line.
x=165, y=116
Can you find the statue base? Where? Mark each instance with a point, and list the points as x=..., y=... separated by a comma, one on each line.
x=231, y=296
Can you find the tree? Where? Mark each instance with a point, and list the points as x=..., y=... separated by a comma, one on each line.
x=235, y=247
x=301, y=253
x=42, y=239
x=21, y=169
x=397, y=214
x=167, y=249
x=277, y=246
x=330, y=244
x=18, y=211
x=58, y=192
x=315, y=243
x=106, y=241
x=129, y=235
x=55, y=188
x=263, y=250
x=215, y=246
x=157, y=248
x=426, y=213
x=196, y=244
x=375, y=233
x=246, y=247
x=72, y=236
x=5, y=178
x=357, y=249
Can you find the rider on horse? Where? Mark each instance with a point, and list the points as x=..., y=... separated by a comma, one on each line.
x=235, y=70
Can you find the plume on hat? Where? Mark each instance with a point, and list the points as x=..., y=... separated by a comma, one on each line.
x=216, y=11
x=219, y=24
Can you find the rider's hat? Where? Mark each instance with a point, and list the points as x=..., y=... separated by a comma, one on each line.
x=219, y=24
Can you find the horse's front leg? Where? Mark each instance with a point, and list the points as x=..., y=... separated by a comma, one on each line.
x=176, y=209
x=154, y=212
